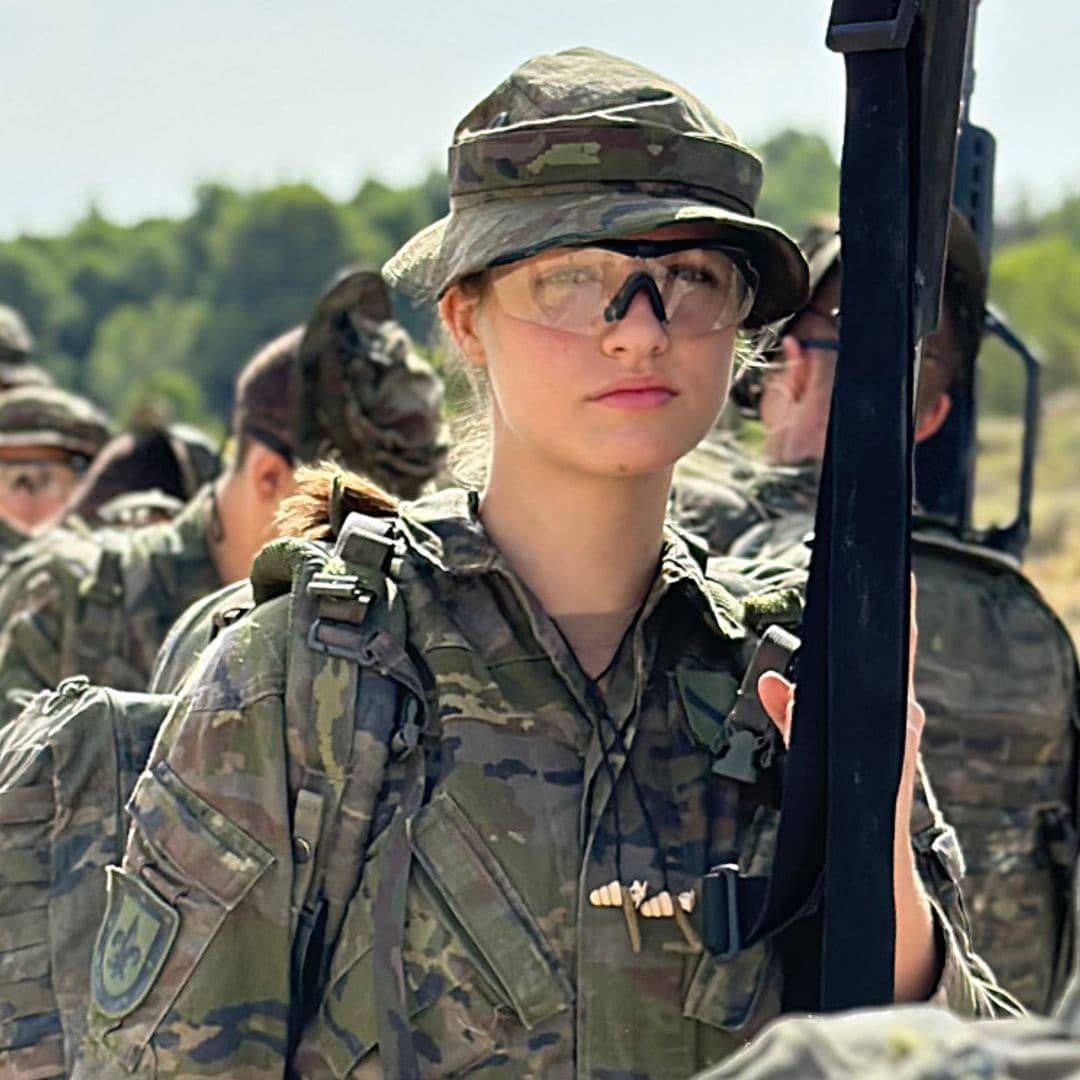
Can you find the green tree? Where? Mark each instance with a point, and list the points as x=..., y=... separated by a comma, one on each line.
x=802, y=180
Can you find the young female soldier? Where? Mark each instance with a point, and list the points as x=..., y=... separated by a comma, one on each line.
x=532, y=852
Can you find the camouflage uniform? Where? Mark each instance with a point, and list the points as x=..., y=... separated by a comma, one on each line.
x=100, y=605
x=511, y=970
x=517, y=790
x=16, y=347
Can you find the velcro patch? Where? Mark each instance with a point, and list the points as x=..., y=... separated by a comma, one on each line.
x=132, y=945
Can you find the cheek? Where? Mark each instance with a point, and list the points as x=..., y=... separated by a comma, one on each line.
x=533, y=373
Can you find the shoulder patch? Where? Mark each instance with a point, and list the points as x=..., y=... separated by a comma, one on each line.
x=132, y=944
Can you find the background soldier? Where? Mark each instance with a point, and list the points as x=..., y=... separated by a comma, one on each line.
x=48, y=437
x=100, y=606
x=1001, y=703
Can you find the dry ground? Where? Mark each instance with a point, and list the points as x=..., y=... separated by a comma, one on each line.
x=1053, y=556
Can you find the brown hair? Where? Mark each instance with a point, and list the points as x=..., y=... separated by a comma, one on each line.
x=307, y=513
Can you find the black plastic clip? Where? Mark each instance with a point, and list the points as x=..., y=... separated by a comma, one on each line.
x=879, y=35
x=720, y=911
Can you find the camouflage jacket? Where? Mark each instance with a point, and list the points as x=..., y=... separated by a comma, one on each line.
x=739, y=499
x=99, y=604
x=539, y=792
x=10, y=537
x=997, y=674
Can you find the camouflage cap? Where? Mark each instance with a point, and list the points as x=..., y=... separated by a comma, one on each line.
x=579, y=146
x=365, y=398
x=263, y=406
x=39, y=416
x=16, y=342
x=16, y=345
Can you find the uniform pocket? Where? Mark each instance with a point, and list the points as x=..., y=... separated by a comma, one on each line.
x=187, y=867
x=474, y=959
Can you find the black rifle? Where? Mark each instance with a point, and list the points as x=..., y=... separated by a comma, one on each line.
x=945, y=464
x=829, y=898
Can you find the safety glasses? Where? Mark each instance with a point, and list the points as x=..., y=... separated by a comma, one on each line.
x=694, y=288
x=36, y=477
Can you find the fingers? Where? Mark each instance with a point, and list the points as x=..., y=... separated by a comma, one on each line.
x=913, y=639
x=777, y=697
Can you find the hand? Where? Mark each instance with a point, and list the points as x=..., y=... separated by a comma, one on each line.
x=918, y=964
x=777, y=696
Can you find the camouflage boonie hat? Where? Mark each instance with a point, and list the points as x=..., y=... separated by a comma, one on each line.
x=16, y=345
x=580, y=146
x=47, y=416
x=365, y=398
x=16, y=342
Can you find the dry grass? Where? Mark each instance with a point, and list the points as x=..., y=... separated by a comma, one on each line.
x=1053, y=557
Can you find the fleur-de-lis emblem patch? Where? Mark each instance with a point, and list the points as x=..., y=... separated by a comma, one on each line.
x=132, y=945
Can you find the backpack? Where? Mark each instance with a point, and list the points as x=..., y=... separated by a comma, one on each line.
x=67, y=766
x=997, y=675
x=71, y=760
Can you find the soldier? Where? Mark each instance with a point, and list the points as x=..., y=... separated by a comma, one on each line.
x=443, y=801
x=16, y=348
x=48, y=437
x=100, y=606
x=1002, y=702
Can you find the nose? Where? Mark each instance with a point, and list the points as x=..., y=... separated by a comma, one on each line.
x=638, y=334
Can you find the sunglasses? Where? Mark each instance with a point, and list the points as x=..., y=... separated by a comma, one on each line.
x=694, y=287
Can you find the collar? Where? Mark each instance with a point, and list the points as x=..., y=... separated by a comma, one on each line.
x=445, y=531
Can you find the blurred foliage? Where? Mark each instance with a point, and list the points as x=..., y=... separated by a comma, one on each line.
x=801, y=180
x=158, y=316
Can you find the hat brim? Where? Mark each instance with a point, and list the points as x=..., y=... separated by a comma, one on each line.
x=475, y=237
x=52, y=440
x=16, y=373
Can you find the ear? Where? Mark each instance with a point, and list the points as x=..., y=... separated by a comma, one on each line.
x=931, y=418
x=271, y=475
x=460, y=313
x=796, y=372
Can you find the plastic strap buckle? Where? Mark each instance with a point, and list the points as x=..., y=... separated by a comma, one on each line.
x=878, y=35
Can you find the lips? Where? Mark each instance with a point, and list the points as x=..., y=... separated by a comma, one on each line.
x=636, y=394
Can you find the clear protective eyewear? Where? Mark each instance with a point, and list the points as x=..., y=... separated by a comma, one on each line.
x=38, y=478
x=694, y=287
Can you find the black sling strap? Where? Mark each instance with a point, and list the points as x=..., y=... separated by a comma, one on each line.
x=830, y=894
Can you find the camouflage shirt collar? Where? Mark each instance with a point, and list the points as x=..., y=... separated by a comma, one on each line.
x=445, y=530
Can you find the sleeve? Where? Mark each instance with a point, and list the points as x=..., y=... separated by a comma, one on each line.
x=31, y=641
x=191, y=970
x=967, y=986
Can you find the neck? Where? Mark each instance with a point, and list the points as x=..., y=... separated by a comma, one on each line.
x=583, y=544
x=229, y=553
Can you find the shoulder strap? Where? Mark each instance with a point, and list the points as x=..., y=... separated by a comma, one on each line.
x=349, y=679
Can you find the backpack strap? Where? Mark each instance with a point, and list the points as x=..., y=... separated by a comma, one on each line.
x=353, y=698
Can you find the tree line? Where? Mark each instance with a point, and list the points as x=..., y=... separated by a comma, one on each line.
x=156, y=317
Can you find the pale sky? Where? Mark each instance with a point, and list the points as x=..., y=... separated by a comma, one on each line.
x=131, y=103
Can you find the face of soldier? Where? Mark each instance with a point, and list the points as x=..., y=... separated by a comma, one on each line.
x=627, y=400
x=797, y=391
x=35, y=483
